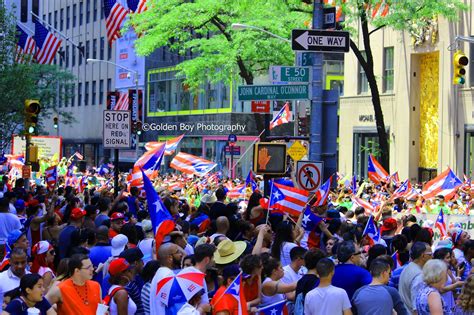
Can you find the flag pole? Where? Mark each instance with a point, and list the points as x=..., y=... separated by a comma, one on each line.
x=57, y=31
x=269, y=201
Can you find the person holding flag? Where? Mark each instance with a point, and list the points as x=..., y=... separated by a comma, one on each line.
x=229, y=298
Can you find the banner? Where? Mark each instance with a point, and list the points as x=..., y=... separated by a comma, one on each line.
x=465, y=222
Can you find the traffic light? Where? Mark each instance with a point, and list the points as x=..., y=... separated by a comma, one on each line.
x=139, y=127
x=302, y=126
x=32, y=109
x=55, y=122
x=459, y=62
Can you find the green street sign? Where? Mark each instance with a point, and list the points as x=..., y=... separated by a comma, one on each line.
x=273, y=92
x=285, y=75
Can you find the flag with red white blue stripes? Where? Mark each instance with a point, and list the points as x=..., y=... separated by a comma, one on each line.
x=137, y=6
x=46, y=44
x=51, y=174
x=191, y=164
x=25, y=45
x=283, y=116
x=288, y=199
x=441, y=224
x=114, y=13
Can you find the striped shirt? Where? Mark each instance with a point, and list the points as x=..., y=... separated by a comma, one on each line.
x=146, y=297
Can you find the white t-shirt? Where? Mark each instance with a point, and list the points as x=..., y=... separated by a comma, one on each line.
x=188, y=309
x=290, y=275
x=329, y=300
x=286, y=247
x=8, y=223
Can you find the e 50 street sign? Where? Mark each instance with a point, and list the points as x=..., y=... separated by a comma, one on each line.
x=273, y=92
x=316, y=40
x=285, y=75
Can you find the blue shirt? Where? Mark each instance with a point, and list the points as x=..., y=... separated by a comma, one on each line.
x=19, y=307
x=65, y=241
x=350, y=278
x=99, y=254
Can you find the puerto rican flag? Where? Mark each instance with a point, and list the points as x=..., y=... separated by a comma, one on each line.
x=323, y=193
x=235, y=291
x=25, y=45
x=381, y=9
x=394, y=178
x=309, y=223
x=151, y=160
x=51, y=174
x=250, y=180
x=375, y=171
x=287, y=199
x=273, y=309
x=441, y=225
x=137, y=6
x=397, y=263
x=191, y=164
x=401, y=191
x=445, y=184
x=171, y=145
x=371, y=231
x=161, y=219
x=354, y=185
x=46, y=43
x=283, y=116
x=202, y=221
x=369, y=208
x=114, y=13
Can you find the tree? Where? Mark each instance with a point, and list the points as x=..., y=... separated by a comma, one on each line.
x=28, y=80
x=403, y=15
x=203, y=27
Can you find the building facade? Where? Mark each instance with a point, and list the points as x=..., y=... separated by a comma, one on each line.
x=430, y=121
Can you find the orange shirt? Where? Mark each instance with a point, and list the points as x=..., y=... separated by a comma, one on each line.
x=227, y=303
x=251, y=290
x=112, y=233
x=74, y=297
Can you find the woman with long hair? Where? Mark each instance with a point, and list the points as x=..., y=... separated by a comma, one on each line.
x=466, y=299
x=254, y=213
x=31, y=295
x=43, y=262
x=286, y=235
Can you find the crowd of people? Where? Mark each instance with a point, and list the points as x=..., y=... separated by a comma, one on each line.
x=65, y=251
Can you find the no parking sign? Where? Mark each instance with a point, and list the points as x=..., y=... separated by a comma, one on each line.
x=309, y=175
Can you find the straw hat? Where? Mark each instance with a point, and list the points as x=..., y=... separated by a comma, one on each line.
x=228, y=251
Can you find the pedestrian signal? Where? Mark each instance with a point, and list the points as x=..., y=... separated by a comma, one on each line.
x=459, y=62
x=269, y=158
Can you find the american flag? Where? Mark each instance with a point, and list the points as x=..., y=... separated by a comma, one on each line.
x=46, y=43
x=283, y=116
x=24, y=46
x=137, y=6
x=114, y=13
x=122, y=102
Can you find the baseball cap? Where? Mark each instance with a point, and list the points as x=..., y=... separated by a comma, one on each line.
x=118, y=244
x=118, y=265
x=14, y=236
x=132, y=254
x=77, y=213
x=33, y=203
x=117, y=216
x=389, y=225
x=20, y=205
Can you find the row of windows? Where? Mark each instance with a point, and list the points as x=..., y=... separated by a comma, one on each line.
x=88, y=93
x=93, y=49
x=388, y=74
x=92, y=13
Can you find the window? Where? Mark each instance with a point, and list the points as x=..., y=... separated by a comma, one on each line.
x=94, y=94
x=79, y=94
x=109, y=85
x=363, y=84
x=74, y=16
x=471, y=68
x=109, y=51
x=94, y=48
x=88, y=49
x=86, y=94
x=73, y=95
x=81, y=55
x=88, y=11
x=469, y=152
x=102, y=46
x=81, y=13
x=67, y=56
x=55, y=19
x=95, y=10
x=68, y=16
x=365, y=143
x=49, y=18
x=61, y=19
x=388, y=69
x=35, y=7
x=73, y=56
x=101, y=92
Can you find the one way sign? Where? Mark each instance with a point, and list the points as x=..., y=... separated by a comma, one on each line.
x=316, y=40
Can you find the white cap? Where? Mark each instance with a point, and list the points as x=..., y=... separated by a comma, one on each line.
x=118, y=244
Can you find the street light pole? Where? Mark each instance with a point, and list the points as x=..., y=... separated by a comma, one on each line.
x=116, y=151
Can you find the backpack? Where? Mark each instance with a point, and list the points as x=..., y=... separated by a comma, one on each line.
x=299, y=305
x=108, y=298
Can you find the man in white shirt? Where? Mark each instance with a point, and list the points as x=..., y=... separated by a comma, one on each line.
x=10, y=279
x=326, y=298
x=295, y=270
x=8, y=221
